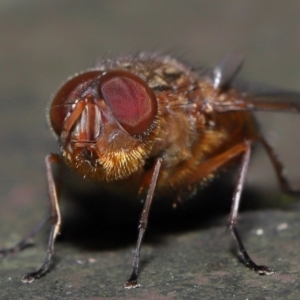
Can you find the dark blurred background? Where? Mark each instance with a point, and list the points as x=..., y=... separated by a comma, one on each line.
x=44, y=42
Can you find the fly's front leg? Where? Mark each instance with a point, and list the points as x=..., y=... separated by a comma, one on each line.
x=132, y=281
x=55, y=219
x=263, y=270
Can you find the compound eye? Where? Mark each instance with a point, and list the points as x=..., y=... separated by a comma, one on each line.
x=66, y=97
x=130, y=100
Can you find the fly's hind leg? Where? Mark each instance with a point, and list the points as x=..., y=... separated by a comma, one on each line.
x=27, y=240
x=284, y=183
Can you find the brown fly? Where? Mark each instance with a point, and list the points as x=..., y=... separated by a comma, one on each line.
x=152, y=125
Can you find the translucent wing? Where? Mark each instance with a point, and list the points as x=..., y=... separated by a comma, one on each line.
x=226, y=70
x=252, y=96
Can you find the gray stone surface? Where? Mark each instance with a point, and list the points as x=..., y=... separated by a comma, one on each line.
x=44, y=42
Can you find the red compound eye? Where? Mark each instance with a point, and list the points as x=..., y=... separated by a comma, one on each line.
x=67, y=95
x=130, y=100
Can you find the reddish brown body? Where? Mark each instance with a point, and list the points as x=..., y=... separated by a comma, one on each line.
x=184, y=129
x=148, y=126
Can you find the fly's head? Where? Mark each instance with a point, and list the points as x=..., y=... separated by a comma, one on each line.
x=106, y=123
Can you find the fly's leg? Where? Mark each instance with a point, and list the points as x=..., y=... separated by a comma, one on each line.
x=27, y=240
x=55, y=220
x=284, y=183
x=215, y=163
x=132, y=281
x=263, y=270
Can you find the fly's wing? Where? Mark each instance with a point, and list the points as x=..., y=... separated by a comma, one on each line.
x=226, y=70
x=251, y=96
